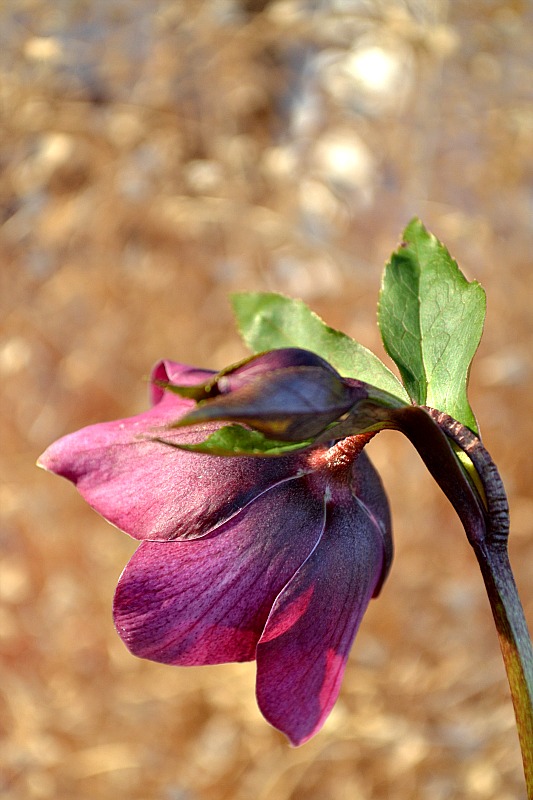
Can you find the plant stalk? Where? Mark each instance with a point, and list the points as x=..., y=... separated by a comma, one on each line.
x=491, y=553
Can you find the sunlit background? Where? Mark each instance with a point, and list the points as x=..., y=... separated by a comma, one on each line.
x=155, y=156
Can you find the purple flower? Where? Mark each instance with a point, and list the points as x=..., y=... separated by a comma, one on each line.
x=242, y=558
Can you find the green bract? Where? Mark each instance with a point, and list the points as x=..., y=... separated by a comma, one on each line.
x=431, y=320
x=235, y=440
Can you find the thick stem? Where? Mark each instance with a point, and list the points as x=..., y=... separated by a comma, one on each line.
x=491, y=553
x=515, y=644
x=497, y=517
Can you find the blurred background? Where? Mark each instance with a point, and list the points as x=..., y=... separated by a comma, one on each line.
x=156, y=155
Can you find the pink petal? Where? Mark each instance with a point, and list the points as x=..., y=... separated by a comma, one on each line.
x=207, y=601
x=152, y=490
x=303, y=650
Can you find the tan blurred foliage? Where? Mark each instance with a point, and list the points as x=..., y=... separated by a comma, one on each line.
x=155, y=156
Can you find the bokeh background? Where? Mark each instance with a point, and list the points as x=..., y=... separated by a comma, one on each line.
x=156, y=155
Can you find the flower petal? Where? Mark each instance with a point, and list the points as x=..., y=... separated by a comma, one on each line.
x=303, y=650
x=207, y=601
x=240, y=375
x=367, y=487
x=292, y=404
x=257, y=366
x=154, y=491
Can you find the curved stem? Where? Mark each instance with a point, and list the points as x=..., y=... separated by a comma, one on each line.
x=497, y=517
x=491, y=553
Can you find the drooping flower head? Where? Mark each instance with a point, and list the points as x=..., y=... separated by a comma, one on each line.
x=241, y=558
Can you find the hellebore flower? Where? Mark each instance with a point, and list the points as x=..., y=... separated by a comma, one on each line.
x=242, y=558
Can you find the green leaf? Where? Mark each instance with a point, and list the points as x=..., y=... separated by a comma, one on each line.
x=235, y=440
x=269, y=321
x=431, y=321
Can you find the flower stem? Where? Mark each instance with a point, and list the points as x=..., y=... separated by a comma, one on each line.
x=515, y=645
x=491, y=553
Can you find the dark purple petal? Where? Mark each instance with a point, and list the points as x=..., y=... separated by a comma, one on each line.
x=289, y=394
x=201, y=385
x=366, y=485
x=291, y=404
x=154, y=491
x=233, y=379
x=206, y=602
x=303, y=650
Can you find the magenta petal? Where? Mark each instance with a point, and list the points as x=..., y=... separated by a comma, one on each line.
x=303, y=650
x=152, y=490
x=206, y=602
